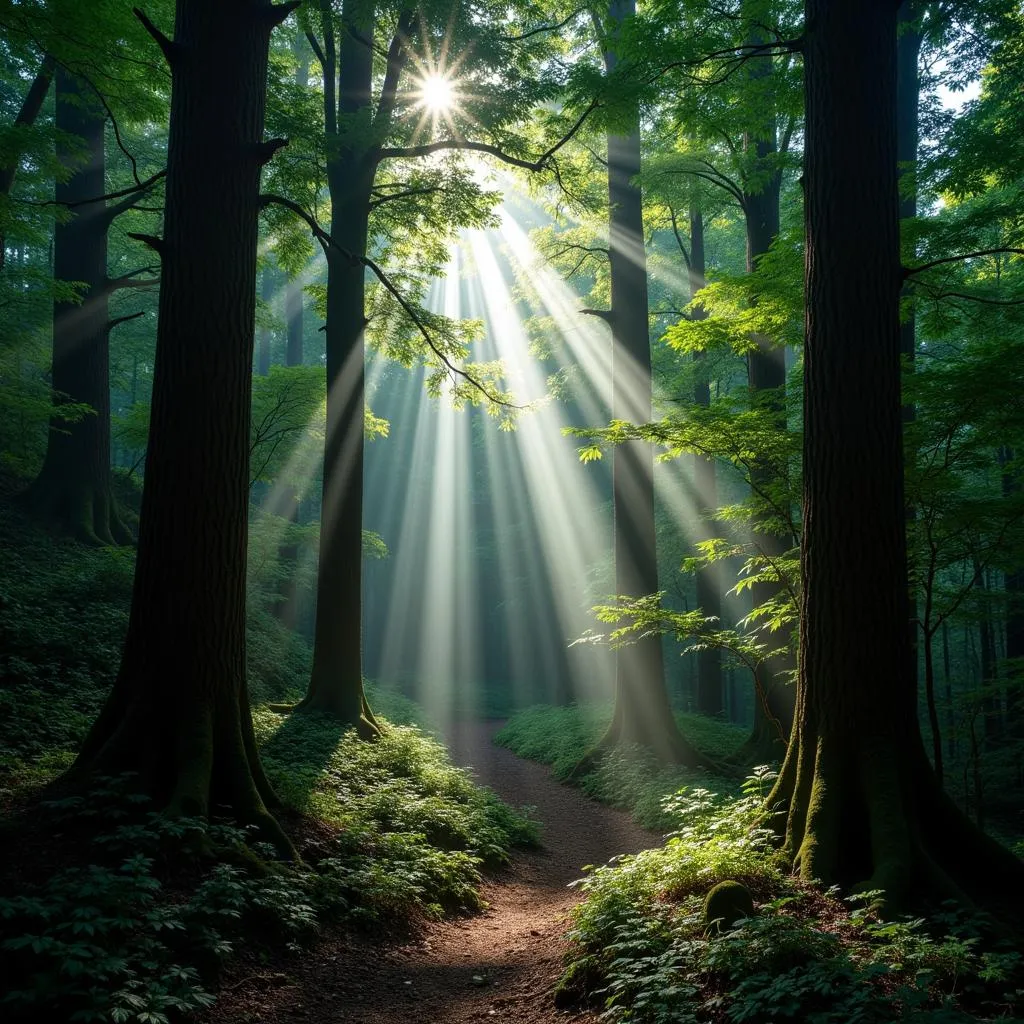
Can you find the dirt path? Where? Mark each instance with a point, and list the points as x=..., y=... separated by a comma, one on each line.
x=498, y=966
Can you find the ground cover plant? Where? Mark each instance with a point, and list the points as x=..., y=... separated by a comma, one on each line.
x=133, y=915
x=647, y=944
x=628, y=777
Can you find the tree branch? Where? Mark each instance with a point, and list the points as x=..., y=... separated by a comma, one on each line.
x=544, y=28
x=124, y=319
x=482, y=147
x=679, y=237
x=397, y=58
x=909, y=271
x=328, y=243
x=170, y=49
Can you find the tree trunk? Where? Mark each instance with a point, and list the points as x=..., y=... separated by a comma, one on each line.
x=908, y=100
x=178, y=715
x=766, y=377
x=72, y=490
x=266, y=295
x=336, y=683
x=861, y=802
x=709, y=597
x=642, y=712
x=1013, y=581
x=25, y=118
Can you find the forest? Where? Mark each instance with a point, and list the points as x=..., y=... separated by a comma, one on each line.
x=512, y=510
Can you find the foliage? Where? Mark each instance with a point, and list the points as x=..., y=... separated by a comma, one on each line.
x=627, y=778
x=640, y=949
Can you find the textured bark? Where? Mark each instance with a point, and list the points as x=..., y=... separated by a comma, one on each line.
x=1013, y=580
x=908, y=101
x=178, y=715
x=72, y=490
x=642, y=712
x=766, y=378
x=26, y=117
x=336, y=682
x=861, y=802
x=266, y=295
x=709, y=597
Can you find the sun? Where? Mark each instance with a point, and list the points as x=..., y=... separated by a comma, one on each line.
x=437, y=94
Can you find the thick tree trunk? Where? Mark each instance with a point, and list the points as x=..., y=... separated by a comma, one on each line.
x=72, y=490
x=908, y=101
x=766, y=377
x=861, y=802
x=178, y=715
x=25, y=118
x=642, y=712
x=1013, y=581
x=336, y=683
x=709, y=597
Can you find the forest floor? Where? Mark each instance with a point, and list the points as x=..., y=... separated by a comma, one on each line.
x=500, y=965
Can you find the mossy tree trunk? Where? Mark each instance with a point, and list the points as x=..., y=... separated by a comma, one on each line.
x=179, y=715
x=72, y=490
x=642, y=713
x=859, y=798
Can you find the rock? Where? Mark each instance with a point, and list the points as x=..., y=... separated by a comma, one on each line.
x=479, y=980
x=727, y=903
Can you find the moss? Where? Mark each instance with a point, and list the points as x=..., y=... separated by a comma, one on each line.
x=726, y=904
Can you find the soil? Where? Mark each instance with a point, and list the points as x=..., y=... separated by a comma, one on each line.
x=500, y=965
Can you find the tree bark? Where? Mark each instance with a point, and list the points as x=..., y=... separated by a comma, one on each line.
x=766, y=378
x=908, y=101
x=709, y=597
x=1013, y=581
x=266, y=295
x=72, y=489
x=860, y=800
x=336, y=682
x=642, y=712
x=178, y=716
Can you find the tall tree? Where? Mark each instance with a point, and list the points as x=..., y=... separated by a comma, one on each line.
x=369, y=128
x=709, y=598
x=32, y=104
x=72, y=489
x=642, y=712
x=862, y=803
x=178, y=715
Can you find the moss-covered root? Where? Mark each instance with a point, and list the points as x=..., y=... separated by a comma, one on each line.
x=343, y=710
x=88, y=513
x=865, y=821
x=191, y=761
x=727, y=903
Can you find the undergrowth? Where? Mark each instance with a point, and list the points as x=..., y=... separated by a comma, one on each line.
x=113, y=912
x=641, y=950
x=628, y=778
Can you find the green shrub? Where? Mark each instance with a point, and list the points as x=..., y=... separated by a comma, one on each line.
x=641, y=950
x=629, y=778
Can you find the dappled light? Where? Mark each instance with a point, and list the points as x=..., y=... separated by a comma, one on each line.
x=511, y=511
